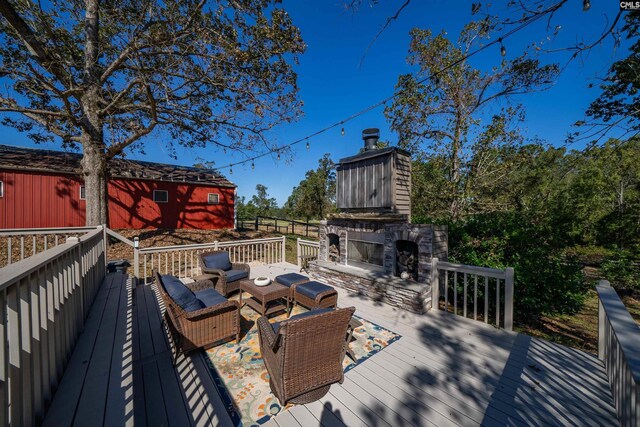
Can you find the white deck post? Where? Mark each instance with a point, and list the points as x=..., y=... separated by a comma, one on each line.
x=602, y=324
x=435, y=284
x=298, y=252
x=136, y=256
x=508, y=299
x=284, y=249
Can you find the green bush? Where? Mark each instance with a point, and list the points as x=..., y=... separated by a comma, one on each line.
x=622, y=270
x=546, y=280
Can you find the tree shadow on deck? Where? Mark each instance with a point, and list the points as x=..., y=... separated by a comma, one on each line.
x=458, y=372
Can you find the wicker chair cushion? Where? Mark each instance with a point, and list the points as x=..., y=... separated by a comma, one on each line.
x=233, y=275
x=210, y=297
x=290, y=279
x=180, y=294
x=276, y=325
x=311, y=289
x=219, y=261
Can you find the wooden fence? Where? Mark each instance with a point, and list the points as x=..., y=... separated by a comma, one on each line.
x=19, y=243
x=619, y=350
x=281, y=225
x=182, y=260
x=474, y=292
x=44, y=301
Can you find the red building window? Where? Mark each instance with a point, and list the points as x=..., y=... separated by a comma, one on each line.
x=83, y=195
x=160, y=196
x=213, y=198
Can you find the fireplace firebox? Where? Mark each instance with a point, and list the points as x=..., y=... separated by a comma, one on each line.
x=365, y=250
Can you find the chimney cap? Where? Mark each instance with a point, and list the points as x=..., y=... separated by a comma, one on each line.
x=371, y=133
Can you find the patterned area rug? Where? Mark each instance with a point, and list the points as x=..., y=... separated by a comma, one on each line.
x=242, y=378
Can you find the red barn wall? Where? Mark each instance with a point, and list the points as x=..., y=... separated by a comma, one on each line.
x=131, y=205
x=33, y=200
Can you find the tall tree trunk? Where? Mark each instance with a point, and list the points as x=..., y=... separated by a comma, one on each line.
x=95, y=180
x=94, y=162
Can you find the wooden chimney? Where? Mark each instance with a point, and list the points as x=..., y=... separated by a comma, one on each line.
x=376, y=182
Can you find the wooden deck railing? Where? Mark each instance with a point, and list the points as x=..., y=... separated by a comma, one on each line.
x=182, y=260
x=17, y=244
x=306, y=248
x=44, y=300
x=474, y=292
x=619, y=350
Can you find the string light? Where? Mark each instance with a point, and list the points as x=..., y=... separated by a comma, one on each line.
x=253, y=166
x=230, y=170
x=308, y=144
x=586, y=5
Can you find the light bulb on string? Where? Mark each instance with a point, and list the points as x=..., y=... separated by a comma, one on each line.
x=308, y=144
x=586, y=5
x=253, y=166
x=278, y=155
x=342, y=131
x=230, y=170
x=503, y=50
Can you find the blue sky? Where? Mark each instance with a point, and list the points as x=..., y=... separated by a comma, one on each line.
x=335, y=84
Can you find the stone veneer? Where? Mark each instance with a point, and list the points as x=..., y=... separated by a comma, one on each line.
x=383, y=285
x=415, y=297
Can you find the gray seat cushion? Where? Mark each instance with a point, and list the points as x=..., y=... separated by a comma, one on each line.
x=210, y=297
x=219, y=261
x=312, y=289
x=290, y=279
x=180, y=294
x=276, y=325
x=233, y=275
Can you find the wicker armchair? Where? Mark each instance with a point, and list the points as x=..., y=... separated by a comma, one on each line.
x=227, y=275
x=201, y=328
x=304, y=354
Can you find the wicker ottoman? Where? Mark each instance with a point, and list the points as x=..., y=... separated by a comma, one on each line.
x=291, y=280
x=315, y=294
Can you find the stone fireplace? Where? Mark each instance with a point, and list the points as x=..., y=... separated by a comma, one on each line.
x=370, y=246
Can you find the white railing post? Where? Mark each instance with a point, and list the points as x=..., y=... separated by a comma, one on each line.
x=136, y=256
x=435, y=284
x=602, y=324
x=215, y=245
x=298, y=248
x=508, y=299
x=283, y=253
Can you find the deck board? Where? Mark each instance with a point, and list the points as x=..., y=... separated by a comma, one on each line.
x=445, y=370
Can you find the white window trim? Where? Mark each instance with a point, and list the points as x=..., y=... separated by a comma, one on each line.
x=1, y=189
x=160, y=191
x=217, y=199
x=80, y=193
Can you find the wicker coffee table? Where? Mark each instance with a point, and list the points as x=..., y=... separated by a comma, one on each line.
x=265, y=300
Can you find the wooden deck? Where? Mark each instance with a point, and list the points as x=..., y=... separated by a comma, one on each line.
x=444, y=371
